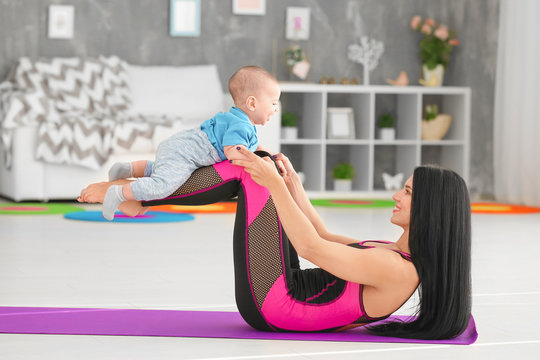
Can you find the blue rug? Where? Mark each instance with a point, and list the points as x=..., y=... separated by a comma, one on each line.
x=149, y=217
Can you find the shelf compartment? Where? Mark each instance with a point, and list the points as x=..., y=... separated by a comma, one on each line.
x=360, y=103
x=453, y=104
x=447, y=156
x=315, y=154
x=308, y=160
x=310, y=108
x=405, y=108
x=393, y=159
x=357, y=155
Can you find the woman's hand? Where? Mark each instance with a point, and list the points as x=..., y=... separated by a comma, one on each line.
x=262, y=170
x=287, y=171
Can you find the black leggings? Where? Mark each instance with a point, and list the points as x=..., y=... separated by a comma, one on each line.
x=271, y=291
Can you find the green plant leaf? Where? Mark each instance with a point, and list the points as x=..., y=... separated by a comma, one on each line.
x=289, y=119
x=386, y=120
x=431, y=111
x=343, y=171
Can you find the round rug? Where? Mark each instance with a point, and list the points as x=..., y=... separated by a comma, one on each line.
x=220, y=207
x=494, y=208
x=37, y=208
x=354, y=203
x=149, y=217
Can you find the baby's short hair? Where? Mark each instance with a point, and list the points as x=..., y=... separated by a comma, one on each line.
x=247, y=81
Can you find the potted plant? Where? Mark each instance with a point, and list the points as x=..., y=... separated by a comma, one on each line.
x=386, y=127
x=289, y=123
x=435, y=49
x=434, y=125
x=343, y=174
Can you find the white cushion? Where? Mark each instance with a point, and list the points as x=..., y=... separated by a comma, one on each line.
x=78, y=84
x=191, y=92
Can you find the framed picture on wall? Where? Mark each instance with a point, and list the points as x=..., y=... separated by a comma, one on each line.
x=249, y=7
x=297, y=23
x=185, y=18
x=340, y=123
x=61, y=19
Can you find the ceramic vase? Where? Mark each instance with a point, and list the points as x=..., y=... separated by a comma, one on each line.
x=387, y=134
x=289, y=133
x=435, y=129
x=433, y=77
x=342, y=185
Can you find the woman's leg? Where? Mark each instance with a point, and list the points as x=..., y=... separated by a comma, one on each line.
x=272, y=293
x=257, y=231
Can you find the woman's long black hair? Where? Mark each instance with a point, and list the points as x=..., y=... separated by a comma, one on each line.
x=440, y=244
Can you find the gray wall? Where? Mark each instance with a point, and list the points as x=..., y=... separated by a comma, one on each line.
x=138, y=31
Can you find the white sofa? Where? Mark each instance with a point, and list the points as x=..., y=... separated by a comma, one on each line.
x=193, y=93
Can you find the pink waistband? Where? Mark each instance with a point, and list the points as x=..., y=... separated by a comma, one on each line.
x=283, y=311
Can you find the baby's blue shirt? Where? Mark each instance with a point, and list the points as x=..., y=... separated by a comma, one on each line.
x=230, y=128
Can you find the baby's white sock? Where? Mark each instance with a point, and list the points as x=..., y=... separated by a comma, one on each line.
x=120, y=170
x=113, y=198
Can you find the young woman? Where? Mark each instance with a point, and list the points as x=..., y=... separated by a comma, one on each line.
x=357, y=282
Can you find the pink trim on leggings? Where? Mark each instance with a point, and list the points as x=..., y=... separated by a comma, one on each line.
x=257, y=195
x=283, y=311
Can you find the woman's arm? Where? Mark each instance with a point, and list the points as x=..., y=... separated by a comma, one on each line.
x=371, y=267
x=298, y=193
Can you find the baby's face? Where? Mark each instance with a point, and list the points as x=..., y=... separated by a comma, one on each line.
x=267, y=103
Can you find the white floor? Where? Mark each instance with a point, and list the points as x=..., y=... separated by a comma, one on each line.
x=49, y=261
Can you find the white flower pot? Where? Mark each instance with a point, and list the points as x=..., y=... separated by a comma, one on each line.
x=433, y=77
x=387, y=134
x=343, y=185
x=435, y=129
x=289, y=133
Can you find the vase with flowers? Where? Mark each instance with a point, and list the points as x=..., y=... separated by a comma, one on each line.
x=435, y=49
x=434, y=124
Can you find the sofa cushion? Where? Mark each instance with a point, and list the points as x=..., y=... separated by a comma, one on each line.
x=192, y=92
x=73, y=82
x=27, y=77
x=117, y=95
x=77, y=84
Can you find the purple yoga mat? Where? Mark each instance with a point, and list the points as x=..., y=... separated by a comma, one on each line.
x=206, y=324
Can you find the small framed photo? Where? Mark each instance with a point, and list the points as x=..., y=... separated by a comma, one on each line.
x=61, y=19
x=249, y=7
x=340, y=123
x=297, y=23
x=185, y=18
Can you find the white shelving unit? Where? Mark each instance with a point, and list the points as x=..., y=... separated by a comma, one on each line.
x=314, y=154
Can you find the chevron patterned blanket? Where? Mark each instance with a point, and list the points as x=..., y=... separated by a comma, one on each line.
x=80, y=108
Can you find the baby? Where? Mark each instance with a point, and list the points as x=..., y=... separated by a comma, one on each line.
x=256, y=95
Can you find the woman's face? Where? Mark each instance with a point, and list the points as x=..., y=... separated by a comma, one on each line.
x=402, y=211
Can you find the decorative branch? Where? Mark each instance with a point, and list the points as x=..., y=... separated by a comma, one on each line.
x=367, y=53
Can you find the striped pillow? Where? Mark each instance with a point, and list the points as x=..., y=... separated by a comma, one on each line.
x=78, y=85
